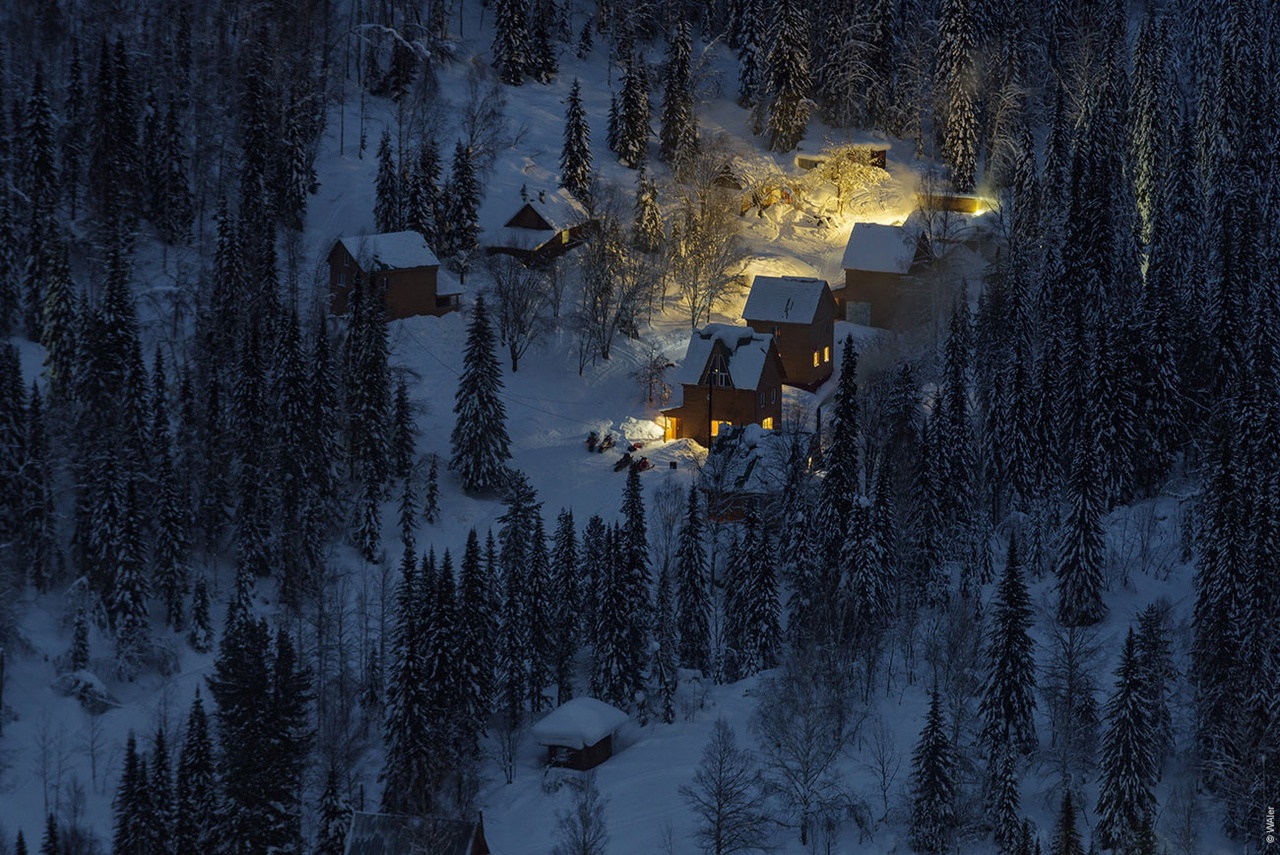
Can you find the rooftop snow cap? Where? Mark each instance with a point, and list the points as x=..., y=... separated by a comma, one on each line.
x=579, y=723
x=879, y=249
x=784, y=299
x=391, y=251
x=747, y=349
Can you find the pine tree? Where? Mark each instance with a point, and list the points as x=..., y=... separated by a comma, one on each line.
x=611, y=677
x=127, y=605
x=1006, y=800
x=476, y=637
x=666, y=678
x=751, y=53
x=49, y=843
x=1080, y=565
x=933, y=785
x=539, y=612
x=786, y=77
x=37, y=540
x=196, y=790
x=1126, y=796
x=693, y=600
x=679, y=123
x=649, y=234
x=543, y=62
x=163, y=806
x=837, y=497
x=752, y=632
x=1155, y=662
x=957, y=84
x=20, y=845
x=633, y=113
x=575, y=157
x=78, y=656
x=387, y=210
x=511, y=41
x=423, y=195
x=479, y=439
x=406, y=775
x=1008, y=694
x=130, y=807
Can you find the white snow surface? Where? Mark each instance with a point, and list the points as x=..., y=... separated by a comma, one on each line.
x=879, y=248
x=392, y=250
x=748, y=350
x=578, y=723
x=789, y=299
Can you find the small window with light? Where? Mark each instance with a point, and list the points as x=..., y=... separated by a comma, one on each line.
x=815, y=359
x=826, y=354
x=718, y=374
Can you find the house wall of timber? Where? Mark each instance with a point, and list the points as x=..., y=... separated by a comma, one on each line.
x=407, y=293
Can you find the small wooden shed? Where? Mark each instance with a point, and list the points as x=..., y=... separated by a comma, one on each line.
x=578, y=734
x=547, y=224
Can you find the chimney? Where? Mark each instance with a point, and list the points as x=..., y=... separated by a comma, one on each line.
x=542, y=195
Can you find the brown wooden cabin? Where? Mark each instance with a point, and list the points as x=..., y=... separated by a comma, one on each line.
x=730, y=376
x=548, y=224
x=880, y=263
x=578, y=734
x=393, y=834
x=800, y=313
x=401, y=265
x=746, y=469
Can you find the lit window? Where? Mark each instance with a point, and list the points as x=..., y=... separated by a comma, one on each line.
x=716, y=425
x=815, y=359
x=826, y=354
x=719, y=373
x=767, y=424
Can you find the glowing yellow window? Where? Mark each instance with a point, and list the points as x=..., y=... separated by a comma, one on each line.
x=767, y=424
x=826, y=354
x=715, y=427
x=815, y=359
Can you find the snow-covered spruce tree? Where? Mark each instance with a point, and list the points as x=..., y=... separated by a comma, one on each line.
x=388, y=213
x=567, y=596
x=539, y=611
x=200, y=636
x=10, y=296
x=423, y=194
x=956, y=82
x=679, y=128
x=475, y=640
x=649, y=233
x=519, y=555
x=611, y=677
x=1155, y=112
x=613, y=129
x=37, y=542
x=445, y=686
x=78, y=655
x=1008, y=693
x=335, y=818
x=786, y=76
x=49, y=843
x=1155, y=662
x=431, y=497
x=543, y=60
x=838, y=494
x=1005, y=799
x=752, y=631
x=634, y=113
x=479, y=439
x=196, y=795
x=693, y=599
x=666, y=679
x=406, y=775
x=462, y=204
x=37, y=171
x=575, y=157
x=637, y=580
x=127, y=606
x=131, y=806
x=933, y=785
x=1080, y=563
x=751, y=53
x=1066, y=837
x=511, y=46
x=1126, y=796
x=163, y=806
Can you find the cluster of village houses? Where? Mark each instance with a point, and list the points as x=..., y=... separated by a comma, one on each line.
x=730, y=375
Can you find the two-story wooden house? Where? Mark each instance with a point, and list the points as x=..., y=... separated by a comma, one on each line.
x=730, y=376
x=401, y=266
x=800, y=313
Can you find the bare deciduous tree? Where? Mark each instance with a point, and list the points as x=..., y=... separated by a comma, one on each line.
x=727, y=796
x=704, y=251
x=881, y=759
x=801, y=739
x=582, y=829
x=519, y=294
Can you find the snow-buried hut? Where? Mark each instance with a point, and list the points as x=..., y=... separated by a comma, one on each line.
x=579, y=733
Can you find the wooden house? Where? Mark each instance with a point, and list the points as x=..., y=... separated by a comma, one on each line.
x=748, y=468
x=730, y=376
x=578, y=734
x=548, y=223
x=879, y=265
x=401, y=266
x=391, y=834
x=800, y=313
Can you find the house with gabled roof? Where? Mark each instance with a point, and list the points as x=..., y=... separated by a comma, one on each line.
x=394, y=834
x=398, y=264
x=578, y=734
x=547, y=224
x=800, y=313
x=730, y=376
x=879, y=264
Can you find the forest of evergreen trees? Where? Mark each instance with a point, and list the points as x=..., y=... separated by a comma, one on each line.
x=1124, y=343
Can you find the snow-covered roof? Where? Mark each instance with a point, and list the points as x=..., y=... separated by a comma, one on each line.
x=557, y=208
x=579, y=723
x=879, y=249
x=447, y=286
x=391, y=251
x=747, y=348
x=784, y=299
